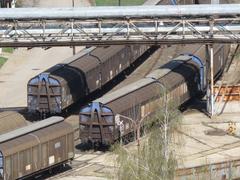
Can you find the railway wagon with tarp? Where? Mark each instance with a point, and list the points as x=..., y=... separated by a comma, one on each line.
x=115, y=114
x=64, y=84
x=35, y=148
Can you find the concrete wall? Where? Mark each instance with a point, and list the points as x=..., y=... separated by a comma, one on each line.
x=220, y=171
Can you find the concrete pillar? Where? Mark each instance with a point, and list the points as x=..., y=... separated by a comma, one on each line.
x=0, y=50
x=211, y=80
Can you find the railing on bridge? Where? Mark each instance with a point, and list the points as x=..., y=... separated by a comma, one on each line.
x=120, y=25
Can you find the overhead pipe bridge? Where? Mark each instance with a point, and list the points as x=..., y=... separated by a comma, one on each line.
x=164, y=24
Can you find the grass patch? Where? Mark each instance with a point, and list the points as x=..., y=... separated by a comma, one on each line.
x=2, y=61
x=116, y=2
x=8, y=50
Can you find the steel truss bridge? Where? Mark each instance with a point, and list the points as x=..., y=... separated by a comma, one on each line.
x=183, y=24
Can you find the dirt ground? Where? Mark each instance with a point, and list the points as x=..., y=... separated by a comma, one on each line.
x=23, y=64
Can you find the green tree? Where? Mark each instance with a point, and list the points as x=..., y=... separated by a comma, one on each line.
x=154, y=158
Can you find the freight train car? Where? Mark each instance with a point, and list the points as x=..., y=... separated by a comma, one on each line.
x=109, y=117
x=64, y=84
x=11, y=120
x=35, y=148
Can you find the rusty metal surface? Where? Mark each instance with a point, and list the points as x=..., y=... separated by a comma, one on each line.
x=11, y=120
x=44, y=93
x=97, y=124
x=227, y=93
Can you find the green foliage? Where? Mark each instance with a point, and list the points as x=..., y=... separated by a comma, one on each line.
x=116, y=2
x=149, y=163
x=8, y=50
x=2, y=60
x=154, y=159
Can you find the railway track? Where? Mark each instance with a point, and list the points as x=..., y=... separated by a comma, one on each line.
x=141, y=72
x=89, y=161
x=67, y=170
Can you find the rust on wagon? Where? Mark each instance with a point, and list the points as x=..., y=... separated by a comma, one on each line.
x=227, y=92
x=97, y=123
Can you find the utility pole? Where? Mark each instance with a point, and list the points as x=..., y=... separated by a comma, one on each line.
x=211, y=80
x=74, y=47
x=210, y=92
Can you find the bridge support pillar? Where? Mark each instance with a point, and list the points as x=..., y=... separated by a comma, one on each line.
x=210, y=76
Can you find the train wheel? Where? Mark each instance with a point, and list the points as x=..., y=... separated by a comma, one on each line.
x=61, y=167
x=90, y=144
x=50, y=171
